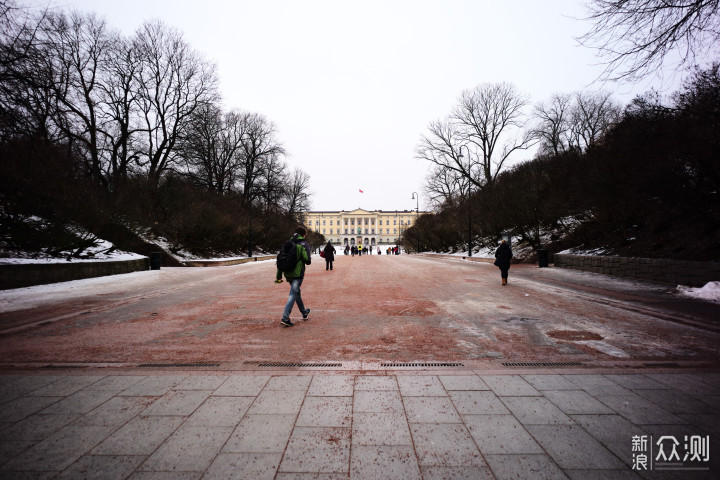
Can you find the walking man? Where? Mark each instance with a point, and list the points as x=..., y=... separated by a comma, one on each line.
x=503, y=255
x=294, y=275
x=329, y=256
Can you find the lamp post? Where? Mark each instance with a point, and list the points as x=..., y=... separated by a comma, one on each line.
x=460, y=156
x=415, y=196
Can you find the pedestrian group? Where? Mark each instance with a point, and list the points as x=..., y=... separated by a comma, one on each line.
x=296, y=255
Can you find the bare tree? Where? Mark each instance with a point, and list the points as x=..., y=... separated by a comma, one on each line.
x=212, y=147
x=259, y=145
x=173, y=82
x=298, y=197
x=491, y=121
x=123, y=123
x=592, y=115
x=273, y=184
x=74, y=50
x=22, y=110
x=636, y=36
x=441, y=146
x=553, y=123
x=574, y=121
x=444, y=186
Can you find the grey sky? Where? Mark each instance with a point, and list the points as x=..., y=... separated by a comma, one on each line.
x=352, y=86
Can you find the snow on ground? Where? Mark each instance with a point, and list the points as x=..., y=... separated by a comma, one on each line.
x=480, y=252
x=710, y=292
x=102, y=252
x=582, y=251
x=29, y=297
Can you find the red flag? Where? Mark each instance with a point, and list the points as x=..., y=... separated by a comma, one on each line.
x=361, y=191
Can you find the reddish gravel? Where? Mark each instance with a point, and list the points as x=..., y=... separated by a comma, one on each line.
x=373, y=308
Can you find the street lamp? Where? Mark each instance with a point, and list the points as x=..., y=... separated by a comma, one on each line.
x=415, y=196
x=460, y=156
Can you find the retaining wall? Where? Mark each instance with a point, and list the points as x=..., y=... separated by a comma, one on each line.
x=28, y=274
x=676, y=272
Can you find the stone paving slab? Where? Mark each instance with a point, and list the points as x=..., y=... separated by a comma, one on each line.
x=374, y=428
x=509, y=385
x=304, y=424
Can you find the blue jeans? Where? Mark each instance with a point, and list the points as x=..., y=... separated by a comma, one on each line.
x=294, y=298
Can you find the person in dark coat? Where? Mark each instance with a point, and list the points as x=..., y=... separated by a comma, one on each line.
x=503, y=255
x=329, y=256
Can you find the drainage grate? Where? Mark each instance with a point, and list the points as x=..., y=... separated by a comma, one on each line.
x=421, y=365
x=182, y=365
x=542, y=364
x=280, y=364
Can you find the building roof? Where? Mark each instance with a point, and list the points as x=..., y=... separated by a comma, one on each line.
x=361, y=211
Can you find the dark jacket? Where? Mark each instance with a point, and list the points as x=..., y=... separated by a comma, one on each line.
x=304, y=258
x=503, y=255
x=329, y=252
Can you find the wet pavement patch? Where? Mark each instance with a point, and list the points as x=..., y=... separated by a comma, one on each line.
x=574, y=335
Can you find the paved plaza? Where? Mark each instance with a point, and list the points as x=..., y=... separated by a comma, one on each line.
x=409, y=368
x=423, y=423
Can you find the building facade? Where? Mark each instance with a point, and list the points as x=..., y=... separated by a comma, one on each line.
x=361, y=226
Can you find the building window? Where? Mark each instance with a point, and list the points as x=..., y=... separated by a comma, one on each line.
x=352, y=221
x=346, y=221
x=323, y=231
x=395, y=230
x=346, y=231
x=395, y=223
x=387, y=230
x=331, y=222
x=323, y=222
x=366, y=221
x=373, y=231
x=366, y=231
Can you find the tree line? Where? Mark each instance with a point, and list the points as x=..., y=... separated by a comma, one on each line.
x=640, y=180
x=109, y=131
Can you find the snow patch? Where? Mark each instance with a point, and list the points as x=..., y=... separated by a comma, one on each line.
x=581, y=251
x=102, y=251
x=710, y=292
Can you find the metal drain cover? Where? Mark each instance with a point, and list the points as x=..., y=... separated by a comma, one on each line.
x=541, y=364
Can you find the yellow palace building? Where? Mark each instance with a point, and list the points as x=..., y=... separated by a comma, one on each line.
x=361, y=226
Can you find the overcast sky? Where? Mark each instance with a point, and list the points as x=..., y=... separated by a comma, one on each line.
x=352, y=86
